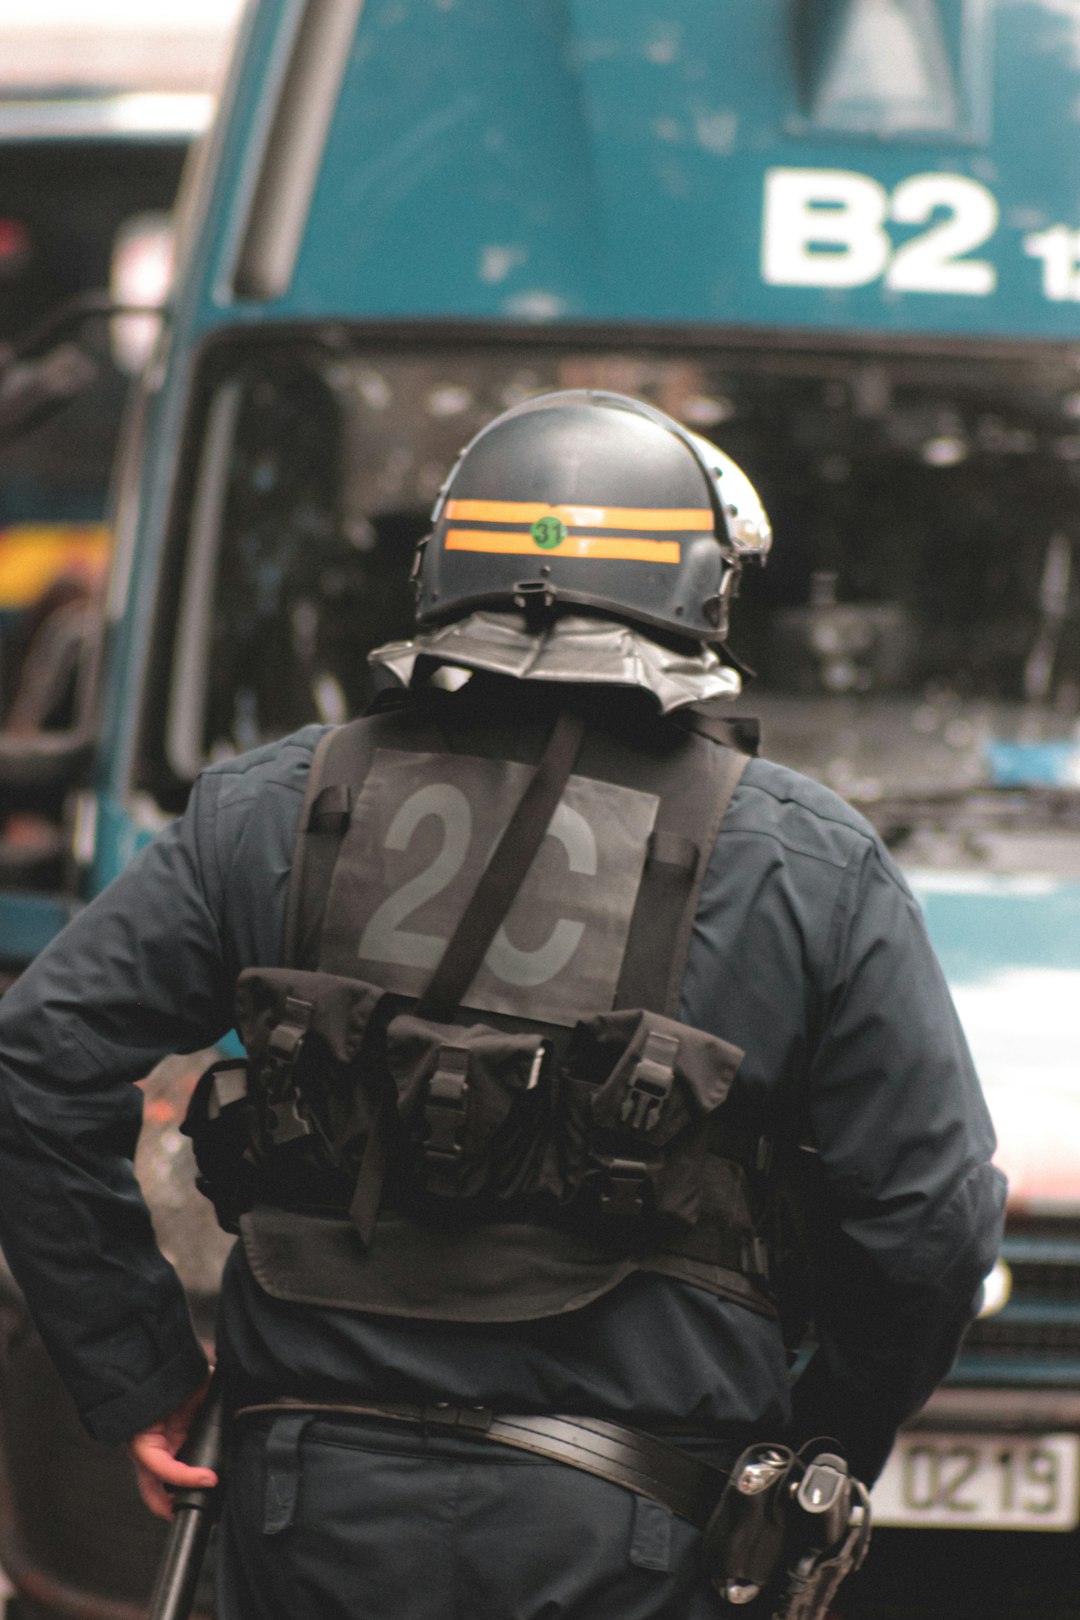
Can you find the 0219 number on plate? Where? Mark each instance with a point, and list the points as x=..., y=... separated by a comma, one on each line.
x=980, y=1482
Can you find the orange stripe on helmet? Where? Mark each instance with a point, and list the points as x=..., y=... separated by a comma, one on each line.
x=590, y=547
x=591, y=517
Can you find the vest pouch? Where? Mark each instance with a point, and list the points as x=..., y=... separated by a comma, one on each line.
x=474, y=1101
x=635, y=1098
x=314, y=1046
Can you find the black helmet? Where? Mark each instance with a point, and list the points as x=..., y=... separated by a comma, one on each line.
x=597, y=501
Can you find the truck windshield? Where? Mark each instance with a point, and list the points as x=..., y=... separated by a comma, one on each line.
x=915, y=630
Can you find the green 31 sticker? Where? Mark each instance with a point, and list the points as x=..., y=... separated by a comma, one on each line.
x=548, y=532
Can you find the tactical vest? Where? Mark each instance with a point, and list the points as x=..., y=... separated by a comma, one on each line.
x=512, y=1146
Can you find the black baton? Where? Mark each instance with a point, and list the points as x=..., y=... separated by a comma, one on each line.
x=194, y=1512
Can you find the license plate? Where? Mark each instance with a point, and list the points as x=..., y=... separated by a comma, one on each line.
x=981, y=1482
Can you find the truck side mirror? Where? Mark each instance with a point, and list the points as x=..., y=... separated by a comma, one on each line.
x=39, y=375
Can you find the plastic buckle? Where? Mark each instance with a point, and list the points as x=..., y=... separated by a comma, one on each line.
x=228, y=1085
x=623, y=1187
x=287, y=1039
x=651, y=1083
x=285, y=1121
x=446, y=1105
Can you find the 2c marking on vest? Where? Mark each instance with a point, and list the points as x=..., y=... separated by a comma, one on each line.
x=385, y=940
x=424, y=827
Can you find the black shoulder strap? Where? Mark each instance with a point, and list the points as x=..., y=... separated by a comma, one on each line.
x=307, y=852
x=695, y=782
x=729, y=767
x=339, y=765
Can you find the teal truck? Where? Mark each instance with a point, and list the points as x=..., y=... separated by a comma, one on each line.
x=839, y=237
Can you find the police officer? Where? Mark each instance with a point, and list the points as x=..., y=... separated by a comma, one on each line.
x=510, y=1159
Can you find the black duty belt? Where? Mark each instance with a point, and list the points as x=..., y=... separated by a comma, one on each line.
x=638, y=1462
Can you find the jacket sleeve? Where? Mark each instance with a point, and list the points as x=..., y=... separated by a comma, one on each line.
x=912, y=1208
x=140, y=973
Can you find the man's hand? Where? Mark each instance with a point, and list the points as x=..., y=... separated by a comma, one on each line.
x=153, y=1453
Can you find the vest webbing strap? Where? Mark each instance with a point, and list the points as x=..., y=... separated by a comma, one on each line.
x=504, y=873
x=341, y=761
x=728, y=768
x=310, y=856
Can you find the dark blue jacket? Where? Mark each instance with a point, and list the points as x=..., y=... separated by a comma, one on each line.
x=809, y=952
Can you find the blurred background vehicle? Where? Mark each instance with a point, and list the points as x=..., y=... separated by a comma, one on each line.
x=856, y=269
x=99, y=109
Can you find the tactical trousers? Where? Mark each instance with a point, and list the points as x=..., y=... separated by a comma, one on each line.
x=351, y=1519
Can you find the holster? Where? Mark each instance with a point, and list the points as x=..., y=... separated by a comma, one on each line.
x=786, y=1532
x=830, y=1533
x=742, y=1547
